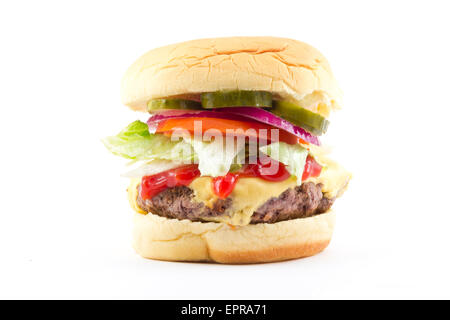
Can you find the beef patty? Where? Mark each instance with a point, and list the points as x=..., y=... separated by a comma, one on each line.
x=302, y=201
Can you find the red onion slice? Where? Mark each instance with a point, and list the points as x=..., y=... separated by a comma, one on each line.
x=235, y=113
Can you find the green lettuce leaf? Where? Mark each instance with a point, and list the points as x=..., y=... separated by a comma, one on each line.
x=293, y=156
x=135, y=142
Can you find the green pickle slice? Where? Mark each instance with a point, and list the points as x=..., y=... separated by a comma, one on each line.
x=168, y=104
x=313, y=122
x=221, y=99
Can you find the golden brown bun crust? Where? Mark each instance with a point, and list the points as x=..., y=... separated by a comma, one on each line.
x=289, y=68
x=159, y=238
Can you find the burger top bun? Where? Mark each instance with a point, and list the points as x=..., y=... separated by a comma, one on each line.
x=290, y=69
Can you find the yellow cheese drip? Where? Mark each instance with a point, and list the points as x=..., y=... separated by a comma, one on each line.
x=248, y=195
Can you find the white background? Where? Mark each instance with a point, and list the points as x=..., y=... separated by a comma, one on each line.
x=65, y=223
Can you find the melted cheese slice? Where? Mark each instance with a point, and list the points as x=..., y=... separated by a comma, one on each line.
x=133, y=194
x=333, y=177
x=248, y=195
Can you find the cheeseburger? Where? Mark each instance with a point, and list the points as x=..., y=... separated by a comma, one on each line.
x=228, y=167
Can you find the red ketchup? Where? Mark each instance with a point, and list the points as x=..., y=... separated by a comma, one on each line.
x=266, y=168
x=182, y=176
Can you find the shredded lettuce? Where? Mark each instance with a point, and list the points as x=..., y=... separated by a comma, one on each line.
x=293, y=156
x=235, y=167
x=151, y=168
x=214, y=158
x=135, y=142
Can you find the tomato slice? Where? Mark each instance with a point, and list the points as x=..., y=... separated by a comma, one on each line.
x=248, y=129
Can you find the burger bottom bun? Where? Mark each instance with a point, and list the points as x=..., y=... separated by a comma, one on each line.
x=159, y=238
